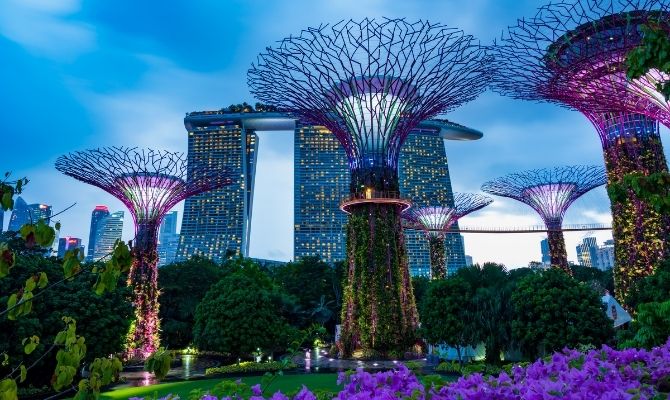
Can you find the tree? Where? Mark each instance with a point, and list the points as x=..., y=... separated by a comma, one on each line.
x=652, y=326
x=491, y=306
x=420, y=287
x=652, y=288
x=551, y=311
x=182, y=286
x=309, y=280
x=446, y=314
x=240, y=313
x=597, y=279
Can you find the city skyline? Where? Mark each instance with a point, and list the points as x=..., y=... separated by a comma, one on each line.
x=160, y=80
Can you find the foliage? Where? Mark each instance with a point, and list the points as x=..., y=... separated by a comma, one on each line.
x=597, y=279
x=491, y=307
x=551, y=311
x=103, y=319
x=602, y=373
x=447, y=315
x=182, y=286
x=159, y=363
x=241, y=313
x=249, y=366
x=314, y=285
x=653, y=188
x=652, y=325
x=420, y=287
x=652, y=288
x=379, y=315
x=653, y=53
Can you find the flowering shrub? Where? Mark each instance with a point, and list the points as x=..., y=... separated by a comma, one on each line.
x=597, y=374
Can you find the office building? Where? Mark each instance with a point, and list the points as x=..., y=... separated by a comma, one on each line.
x=27, y=213
x=587, y=252
x=544, y=248
x=468, y=261
x=108, y=230
x=168, y=239
x=321, y=181
x=2, y=220
x=605, y=255
x=218, y=223
x=69, y=243
x=97, y=215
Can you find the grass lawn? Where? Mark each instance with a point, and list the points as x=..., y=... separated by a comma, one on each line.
x=286, y=383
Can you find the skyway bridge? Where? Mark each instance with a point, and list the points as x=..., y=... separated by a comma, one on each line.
x=530, y=229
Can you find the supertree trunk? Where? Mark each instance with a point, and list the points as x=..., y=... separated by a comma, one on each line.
x=640, y=233
x=557, y=252
x=379, y=314
x=438, y=268
x=143, y=278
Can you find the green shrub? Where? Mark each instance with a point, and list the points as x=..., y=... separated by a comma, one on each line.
x=249, y=366
x=508, y=367
x=450, y=367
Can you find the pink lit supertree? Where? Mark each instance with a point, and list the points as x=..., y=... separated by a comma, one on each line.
x=371, y=82
x=436, y=221
x=149, y=183
x=550, y=191
x=572, y=52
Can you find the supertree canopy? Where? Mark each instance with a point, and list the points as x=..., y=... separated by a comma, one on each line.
x=149, y=183
x=573, y=53
x=370, y=83
x=550, y=191
x=436, y=221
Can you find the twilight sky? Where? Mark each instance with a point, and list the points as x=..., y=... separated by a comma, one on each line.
x=78, y=75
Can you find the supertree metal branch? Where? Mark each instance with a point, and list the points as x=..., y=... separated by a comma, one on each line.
x=436, y=221
x=149, y=183
x=370, y=83
x=572, y=52
x=550, y=192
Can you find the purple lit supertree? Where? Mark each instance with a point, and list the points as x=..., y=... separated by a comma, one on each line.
x=550, y=191
x=573, y=53
x=370, y=83
x=149, y=183
x=436, y=221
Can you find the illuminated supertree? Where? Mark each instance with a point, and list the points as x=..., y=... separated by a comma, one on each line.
x=149, y=183
x=573, y=53
x=370, y=83
x=550, y=192
x=436, y=221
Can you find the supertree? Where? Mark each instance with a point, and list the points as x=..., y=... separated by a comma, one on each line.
x=149, y=183
x=436, y=221
x=550, y=191
x=573, y=53
x=370, y=83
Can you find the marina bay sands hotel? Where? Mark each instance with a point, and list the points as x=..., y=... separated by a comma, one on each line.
x=217, y=224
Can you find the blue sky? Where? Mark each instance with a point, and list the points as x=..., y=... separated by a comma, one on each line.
x=76, y=75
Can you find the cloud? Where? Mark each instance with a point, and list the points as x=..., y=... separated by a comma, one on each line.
x=44, y=28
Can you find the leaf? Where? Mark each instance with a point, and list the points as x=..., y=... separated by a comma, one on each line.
x=8, y=389
x=24, y=373
x=11, y=302
x=29, y=347
x=43, y=280
x=44, y=234
x=7, y=260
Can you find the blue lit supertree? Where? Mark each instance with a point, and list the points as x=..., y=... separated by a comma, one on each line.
x=370, y=83
x=436, y=221
x=550, y=191
x=149, y=183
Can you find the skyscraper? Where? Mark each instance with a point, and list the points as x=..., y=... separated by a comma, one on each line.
x=321, y=181
x=98, y=214
x=587, y=252
x=26, y=213
x=605, y=255
x=69, y=243
x=108, y=231
x=168, y=239
x=218, y=223
x=544, y=247
x=2, y=220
